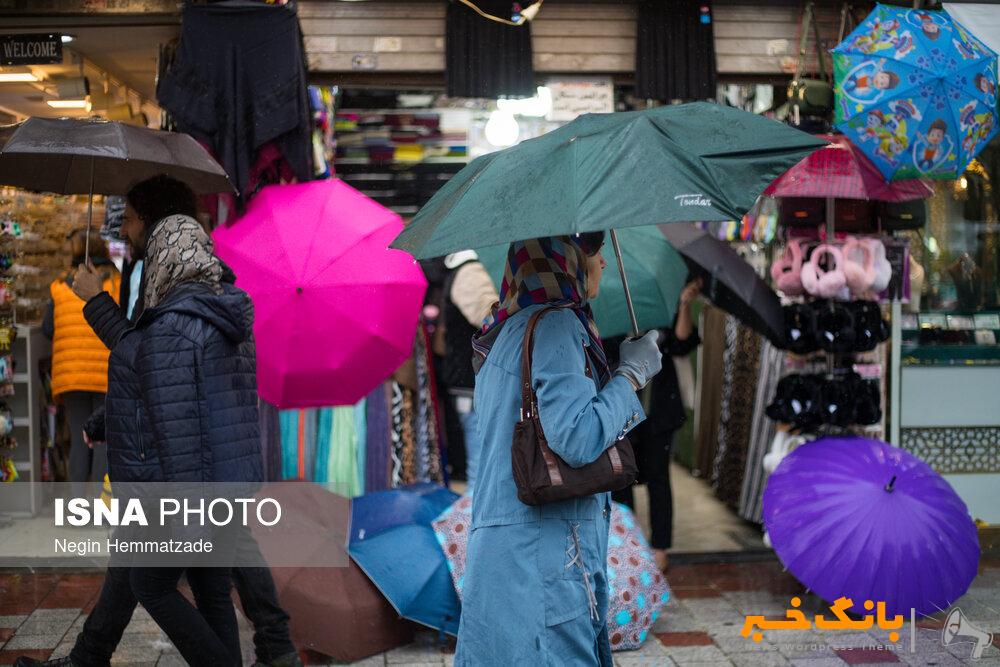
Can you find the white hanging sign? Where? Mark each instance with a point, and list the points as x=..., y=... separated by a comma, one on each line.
x=572, y=97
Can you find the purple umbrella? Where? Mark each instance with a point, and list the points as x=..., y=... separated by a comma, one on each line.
x=861, y=519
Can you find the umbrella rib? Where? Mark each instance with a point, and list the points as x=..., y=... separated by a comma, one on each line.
x=343, y=251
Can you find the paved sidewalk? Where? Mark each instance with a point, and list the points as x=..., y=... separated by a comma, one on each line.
x=41, y=613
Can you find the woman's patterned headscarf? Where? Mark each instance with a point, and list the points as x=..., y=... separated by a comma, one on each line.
x=179, y=251
x=551, y=270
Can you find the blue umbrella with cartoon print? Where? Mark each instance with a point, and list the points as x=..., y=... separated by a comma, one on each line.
x=916, y=92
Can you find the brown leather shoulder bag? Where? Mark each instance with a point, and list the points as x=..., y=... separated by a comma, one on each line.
x=540, y=474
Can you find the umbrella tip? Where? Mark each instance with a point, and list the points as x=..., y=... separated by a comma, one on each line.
x=892, y=482
x=298, y=290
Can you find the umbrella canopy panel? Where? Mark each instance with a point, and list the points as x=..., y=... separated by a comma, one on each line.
x=842, y=171
x=729, y=282
x=70, y=156
x=916, y=92
x=861, y=519
x=687, y=162
x=336, y=309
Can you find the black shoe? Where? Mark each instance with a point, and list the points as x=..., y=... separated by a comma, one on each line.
x=31, y=662
x=287, y=660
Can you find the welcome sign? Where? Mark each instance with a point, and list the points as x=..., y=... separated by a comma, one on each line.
x=33, y=49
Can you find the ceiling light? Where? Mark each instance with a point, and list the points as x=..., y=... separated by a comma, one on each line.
x=502, y=129
x=17, y=77
x=66, y=39
x=69, y=104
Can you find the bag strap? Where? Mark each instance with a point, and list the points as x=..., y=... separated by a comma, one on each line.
x=528, y=399
x=809, y=21
x=529, y=402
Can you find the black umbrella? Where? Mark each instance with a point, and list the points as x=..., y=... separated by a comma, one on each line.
x=72, y=156
x=729, y=282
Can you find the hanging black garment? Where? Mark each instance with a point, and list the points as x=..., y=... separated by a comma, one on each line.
x=484, y=58
x=675, y=51
x=238, y=81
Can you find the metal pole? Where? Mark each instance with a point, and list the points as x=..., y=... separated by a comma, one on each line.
x=90, y=213
x=628, y=293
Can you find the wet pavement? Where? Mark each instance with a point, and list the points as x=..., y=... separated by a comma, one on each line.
x=41, y=613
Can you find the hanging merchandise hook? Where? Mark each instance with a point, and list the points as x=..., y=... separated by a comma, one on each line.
x=526, y=15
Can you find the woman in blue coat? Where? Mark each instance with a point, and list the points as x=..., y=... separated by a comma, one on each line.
x=535, y=589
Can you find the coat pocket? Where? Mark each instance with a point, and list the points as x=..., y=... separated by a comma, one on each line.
x=138, y=433
x=566, y=553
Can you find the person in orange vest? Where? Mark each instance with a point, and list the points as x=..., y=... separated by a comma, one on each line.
x=79, y=358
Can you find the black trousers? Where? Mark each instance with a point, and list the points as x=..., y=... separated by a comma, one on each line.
x=105, y=625
x=206, y=635
x=652, y=454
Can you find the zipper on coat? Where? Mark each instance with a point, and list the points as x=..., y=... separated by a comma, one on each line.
x=138, y=430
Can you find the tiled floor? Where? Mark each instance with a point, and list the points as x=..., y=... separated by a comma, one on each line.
x=41, y=613
x=705, y=524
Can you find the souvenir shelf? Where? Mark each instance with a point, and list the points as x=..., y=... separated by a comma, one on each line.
x=23, y=496
x=399, y=158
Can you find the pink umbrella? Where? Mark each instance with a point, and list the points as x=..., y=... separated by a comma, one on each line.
x=336, y=309
x=841, y=170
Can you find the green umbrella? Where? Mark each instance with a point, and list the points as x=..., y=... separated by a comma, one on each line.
x=679, y=163
x=656, y=275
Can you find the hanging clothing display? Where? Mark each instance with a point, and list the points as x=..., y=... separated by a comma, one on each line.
x=237, y=82
x=729, y=349
x=675, y=50
x=389, y=439
x=742, y=361
x=484, y=58
x=270, y=441
x=710, y=383
x=377, y=440
x=762, y=431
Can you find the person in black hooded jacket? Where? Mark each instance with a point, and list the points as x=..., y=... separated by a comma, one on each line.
x=182, y=407
x=225, y=319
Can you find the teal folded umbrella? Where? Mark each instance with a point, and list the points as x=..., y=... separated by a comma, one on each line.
x=656, y=275
x=679, y=163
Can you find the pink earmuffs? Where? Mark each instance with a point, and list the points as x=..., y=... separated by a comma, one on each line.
x=883, y=269
x=859, y=266
x=830, y=283
x=786, y=271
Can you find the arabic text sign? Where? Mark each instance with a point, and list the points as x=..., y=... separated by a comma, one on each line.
x=796, y=620
x=34, y=49
x=573, y=97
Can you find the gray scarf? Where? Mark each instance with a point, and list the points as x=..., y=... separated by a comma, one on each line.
x=179, y=251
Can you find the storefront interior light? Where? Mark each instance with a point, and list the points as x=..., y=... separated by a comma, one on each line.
x=963, y=183
x=69, y=104
x=66, y=39
x=502, y=129
x=540, y=105
x=17, y=77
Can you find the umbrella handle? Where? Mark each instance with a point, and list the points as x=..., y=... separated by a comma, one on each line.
x=90, y=216
x=628, y=293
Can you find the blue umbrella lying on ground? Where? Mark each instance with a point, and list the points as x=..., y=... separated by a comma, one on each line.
x=392, y=540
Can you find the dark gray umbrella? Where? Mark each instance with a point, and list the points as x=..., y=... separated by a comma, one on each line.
x=729, y=282
x=73, y=156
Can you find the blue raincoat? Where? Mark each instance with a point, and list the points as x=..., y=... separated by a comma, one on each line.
x=535, y=589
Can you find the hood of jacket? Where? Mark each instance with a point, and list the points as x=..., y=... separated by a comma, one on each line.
x=230, y=312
